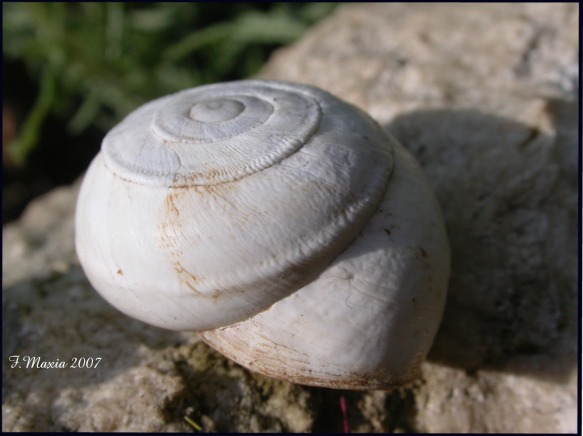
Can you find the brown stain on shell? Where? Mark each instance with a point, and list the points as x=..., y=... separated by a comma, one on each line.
x=172, y=234
x=171, y=207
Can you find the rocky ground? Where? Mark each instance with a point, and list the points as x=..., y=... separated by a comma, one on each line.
x=485, y=96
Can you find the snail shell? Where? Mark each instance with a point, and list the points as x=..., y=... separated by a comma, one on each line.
x=280, y=222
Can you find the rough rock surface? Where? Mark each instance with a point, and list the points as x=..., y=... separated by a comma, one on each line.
x=485, y=96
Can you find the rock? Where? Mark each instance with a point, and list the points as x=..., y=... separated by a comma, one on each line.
x=492, y=118
x=140, y=379
x=485, y=96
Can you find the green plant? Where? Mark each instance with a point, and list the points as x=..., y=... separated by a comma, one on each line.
x=95, y=62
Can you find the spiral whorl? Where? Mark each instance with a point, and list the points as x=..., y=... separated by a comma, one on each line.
x=212, y=134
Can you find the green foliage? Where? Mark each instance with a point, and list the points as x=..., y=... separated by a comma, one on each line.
x=95, y=62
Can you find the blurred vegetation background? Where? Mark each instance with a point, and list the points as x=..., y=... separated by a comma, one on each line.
x=73, y=70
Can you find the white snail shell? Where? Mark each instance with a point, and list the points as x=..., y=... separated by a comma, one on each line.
x=281, y=222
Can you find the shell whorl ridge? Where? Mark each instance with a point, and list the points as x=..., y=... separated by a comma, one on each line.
x=213, y=134
x=250, y=210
